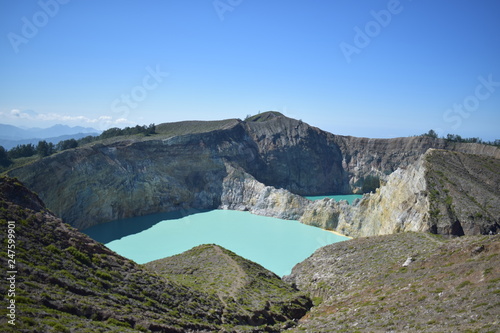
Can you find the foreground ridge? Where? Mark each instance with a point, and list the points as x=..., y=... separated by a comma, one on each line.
x=66, y=281
x=407, y=282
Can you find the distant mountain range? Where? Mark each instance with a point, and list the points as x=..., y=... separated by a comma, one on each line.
x=11, y=136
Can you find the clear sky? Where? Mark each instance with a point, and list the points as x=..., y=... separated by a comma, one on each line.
x=365, y=68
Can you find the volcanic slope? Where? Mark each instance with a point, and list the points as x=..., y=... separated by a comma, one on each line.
x=66, y=282
x=407, y=282
x=463, y=192
x=244, y=287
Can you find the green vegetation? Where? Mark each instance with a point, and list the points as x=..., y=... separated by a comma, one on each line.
x=104, y=275
x=22, y=151
x=17, y=155
x=458, y=138
x=81, y=257
x=464, y=284
x=243, y=285
x=45, y=148
x=4, y=158
x=113, y=132
x=193, y=127
x=264, y=116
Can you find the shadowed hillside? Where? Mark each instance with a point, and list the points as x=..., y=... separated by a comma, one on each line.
x=464, y=193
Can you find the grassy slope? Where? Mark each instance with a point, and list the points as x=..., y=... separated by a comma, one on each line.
x=245, y=286
x=68, y=282
x=361, y=286
x=265, y=116
x=193, y=127
x=165, y=130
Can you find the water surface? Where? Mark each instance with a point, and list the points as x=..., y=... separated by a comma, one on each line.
x=349, y=197
x=276, y=244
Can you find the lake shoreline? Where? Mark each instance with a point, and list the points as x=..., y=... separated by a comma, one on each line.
x=338, y=233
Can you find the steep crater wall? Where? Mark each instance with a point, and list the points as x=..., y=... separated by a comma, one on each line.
x=100, y=183
x=259, y=166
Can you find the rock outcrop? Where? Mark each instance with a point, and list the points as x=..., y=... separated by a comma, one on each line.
x=400, y=205
x=125, y=178
x=392, y=208
x=297, y=157
x=242, y=191
x=444, y=192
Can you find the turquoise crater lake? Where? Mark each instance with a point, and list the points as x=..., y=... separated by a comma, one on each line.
x=276, y=244
x=348, y=197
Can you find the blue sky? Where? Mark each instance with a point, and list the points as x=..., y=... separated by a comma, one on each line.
x=363, y=68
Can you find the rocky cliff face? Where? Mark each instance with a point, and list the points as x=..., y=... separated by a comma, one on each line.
x=400, y=205
x=101, y=183
x=381, y=157
x=297, y=157
x=448, y=193
x=463, y=193
x=138, y=176
x=415, y=198
x=242, y=191
x=252, y=165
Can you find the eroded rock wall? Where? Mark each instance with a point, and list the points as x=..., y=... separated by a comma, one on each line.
x=298, y=157
x=399, y=206
x=103, y=182
x=253, y=165
x=242, y=191
x=444, y=192
x=363, y=156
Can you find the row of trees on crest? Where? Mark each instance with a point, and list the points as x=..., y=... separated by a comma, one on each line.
x=44, y=148
x=458, y=138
